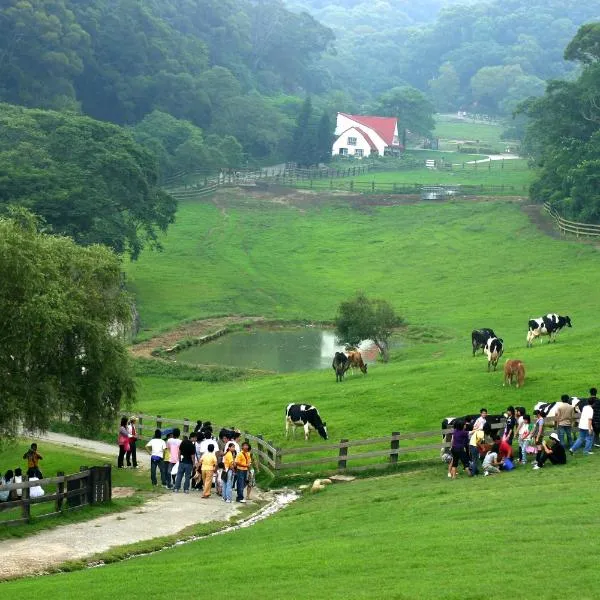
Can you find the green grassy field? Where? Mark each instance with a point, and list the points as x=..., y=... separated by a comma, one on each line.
x=417, y=535
x=451, y=130
x=68, y=460
x=446, y=268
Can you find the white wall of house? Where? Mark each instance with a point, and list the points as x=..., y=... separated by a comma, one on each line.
x=353, y=143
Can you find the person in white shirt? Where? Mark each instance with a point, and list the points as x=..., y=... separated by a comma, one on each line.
x=491, y=464
x=479, y=424
x=156, y=448
x=586, y=430
x=36, y=491
x=204, y=444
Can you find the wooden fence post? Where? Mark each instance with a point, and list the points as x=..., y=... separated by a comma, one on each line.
x=259, y=448
x=158, y=422
x=342, y=459
x=85, y=483
x=60, y=490
x=186, y=426
x=108, y=483
x=26, y=506
x=394, y=445
x=140, y=426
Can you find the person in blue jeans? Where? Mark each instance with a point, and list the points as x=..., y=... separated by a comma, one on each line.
x=228, y=465
x=187, y=454
x=586, y=430
x=243, y=462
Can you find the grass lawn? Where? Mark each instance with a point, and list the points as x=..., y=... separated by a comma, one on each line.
x=446, y=268
x=61, y=458
x=403, y=537
x=451, y=130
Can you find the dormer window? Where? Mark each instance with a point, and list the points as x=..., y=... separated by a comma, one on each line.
x=351, y=141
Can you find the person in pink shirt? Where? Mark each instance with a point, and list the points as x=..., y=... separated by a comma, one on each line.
x=173, y=448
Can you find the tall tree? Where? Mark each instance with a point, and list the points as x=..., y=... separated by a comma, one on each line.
x=324, y=138
x=87, y=179
x=62, y=321
x=304, y=140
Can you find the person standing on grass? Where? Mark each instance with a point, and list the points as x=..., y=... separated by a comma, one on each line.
x=132, y=436
x=208, y=466
x=475, y=447
x=458, y=450
x=509, y=427
x=563, y=418
x=156, y=448
x=187, y=458
x=243, y=462
x=123, y=441
x=33, y=458
x=479, y=424
x=596, y=418
x=519, y=414
x=524, y=434
x=173, y=444
x=553, y=451
x=586, y=430
x=229, y=468
x=537, y=435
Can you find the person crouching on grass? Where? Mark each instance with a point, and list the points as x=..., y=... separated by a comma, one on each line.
x=491, y=464
x=553, y=451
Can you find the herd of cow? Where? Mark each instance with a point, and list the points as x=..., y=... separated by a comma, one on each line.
x=493, y=347
x=308, y=417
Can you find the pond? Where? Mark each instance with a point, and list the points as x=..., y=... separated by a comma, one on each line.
x=281, y=350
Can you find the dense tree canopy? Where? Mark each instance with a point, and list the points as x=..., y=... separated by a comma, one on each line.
x=563, y=136
x=62, y=313
x=86, y=179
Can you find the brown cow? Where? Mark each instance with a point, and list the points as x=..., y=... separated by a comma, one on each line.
x=514, y=370
x=356, y=361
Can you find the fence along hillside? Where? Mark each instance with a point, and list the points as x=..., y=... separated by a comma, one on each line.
x=565, y=226
x=346, y=455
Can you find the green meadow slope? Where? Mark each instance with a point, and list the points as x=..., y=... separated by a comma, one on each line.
x=446, y=268
x=416, y=535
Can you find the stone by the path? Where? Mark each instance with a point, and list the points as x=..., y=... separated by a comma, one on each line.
x=340, y=478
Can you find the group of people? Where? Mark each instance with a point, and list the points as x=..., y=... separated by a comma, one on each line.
x=474, y=446
x=33, y=457
x=127, y=440
x=199, y=461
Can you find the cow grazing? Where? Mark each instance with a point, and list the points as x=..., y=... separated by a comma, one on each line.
x=340, y=365
x=479, y=338
x=514, y=370
x=304, y=415
x=493, y=350
x=356, y=361
x=549, y=325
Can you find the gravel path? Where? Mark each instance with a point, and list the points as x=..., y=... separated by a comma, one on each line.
x=166, y=515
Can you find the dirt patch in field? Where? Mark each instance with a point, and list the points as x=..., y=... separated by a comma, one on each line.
x=122, y=492
x=193, y=329
x=541, y=220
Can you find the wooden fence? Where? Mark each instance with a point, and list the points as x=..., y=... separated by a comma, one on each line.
x=565, y=226
x=373, y=453
x=89, y=486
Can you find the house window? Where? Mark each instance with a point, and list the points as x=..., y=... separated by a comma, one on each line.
x=359, y=152
x=343, y=151
x=395, y=141
x=351, y=141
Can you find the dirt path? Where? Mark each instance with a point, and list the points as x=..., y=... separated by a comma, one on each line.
x=103, y=449
x=193, y=329
x=165, y=515
x=541, y=220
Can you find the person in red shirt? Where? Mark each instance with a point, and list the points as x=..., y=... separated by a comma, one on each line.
x=504, y=449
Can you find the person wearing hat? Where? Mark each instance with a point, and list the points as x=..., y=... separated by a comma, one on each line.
x=553, y=451
x=132, y=433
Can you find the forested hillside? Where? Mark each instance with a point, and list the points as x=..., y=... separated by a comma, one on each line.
x=478, y=56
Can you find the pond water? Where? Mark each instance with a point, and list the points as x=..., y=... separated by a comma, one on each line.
x=281, y=350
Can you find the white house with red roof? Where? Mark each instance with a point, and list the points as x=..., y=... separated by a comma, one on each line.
x=361, y=136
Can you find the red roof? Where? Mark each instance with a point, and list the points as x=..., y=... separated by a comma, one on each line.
x=364, y=134
x=384, y=126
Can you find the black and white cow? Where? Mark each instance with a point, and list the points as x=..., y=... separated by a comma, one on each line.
x=549, y=408
x=304, y=415
x=493, y=350
x=340, y=365
x=479, y=338
x=548, y=325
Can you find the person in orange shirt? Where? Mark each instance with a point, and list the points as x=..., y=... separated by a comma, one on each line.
x=243, y=462
x=229, y=468
x=208, y=466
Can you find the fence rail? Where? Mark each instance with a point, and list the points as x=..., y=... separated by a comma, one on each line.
x=89, y=486
x=565, y=226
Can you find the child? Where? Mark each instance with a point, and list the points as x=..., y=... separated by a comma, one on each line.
x=219, y=480
x=524, y=437
x=491, y=464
